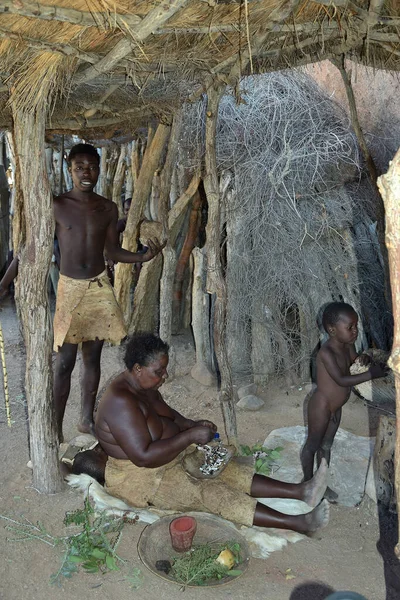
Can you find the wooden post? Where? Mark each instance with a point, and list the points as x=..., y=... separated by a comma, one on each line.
x=119, y=178
x=123, y=272
x=389, y=187
x=35, y=256
x=215, y=280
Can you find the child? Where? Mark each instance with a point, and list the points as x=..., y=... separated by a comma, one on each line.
x=334, y=384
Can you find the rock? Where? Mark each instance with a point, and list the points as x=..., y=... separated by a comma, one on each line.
x=247, y=390
x=203, y=375
x=351, y=455
x=250, y=402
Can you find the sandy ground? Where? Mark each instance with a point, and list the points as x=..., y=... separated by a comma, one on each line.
x=355, y=551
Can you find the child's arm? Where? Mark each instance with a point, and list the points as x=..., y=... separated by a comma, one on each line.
x=329, y=361
x=9, y=276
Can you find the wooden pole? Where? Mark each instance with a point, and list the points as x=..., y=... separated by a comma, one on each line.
x=215, y=279
x=123, y=272
x=119, y=178
x=35, y=256
x=389, y=187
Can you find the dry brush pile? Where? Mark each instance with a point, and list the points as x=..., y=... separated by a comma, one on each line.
x=298, y=228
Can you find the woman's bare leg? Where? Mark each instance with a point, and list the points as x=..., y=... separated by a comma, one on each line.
x=316, y=519
x=310, y=492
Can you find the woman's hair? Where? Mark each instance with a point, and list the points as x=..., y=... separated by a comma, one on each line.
x=83, y=149
x=142, y=349
x=333, y=312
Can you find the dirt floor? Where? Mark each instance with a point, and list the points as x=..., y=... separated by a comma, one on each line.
x=355, y=551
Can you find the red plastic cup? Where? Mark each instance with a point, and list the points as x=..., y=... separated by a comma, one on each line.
x=182, y=531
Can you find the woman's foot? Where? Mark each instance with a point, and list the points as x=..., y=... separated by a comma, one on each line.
x=314, y=489
x=317, y=518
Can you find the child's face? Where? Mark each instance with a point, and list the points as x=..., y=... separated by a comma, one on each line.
x=85, y=172
x=345, y=330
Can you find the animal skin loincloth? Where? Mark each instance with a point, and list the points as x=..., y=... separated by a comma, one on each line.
x=87, y=310
x=171, y=488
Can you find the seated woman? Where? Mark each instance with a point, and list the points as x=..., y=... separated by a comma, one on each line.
x=143, y=441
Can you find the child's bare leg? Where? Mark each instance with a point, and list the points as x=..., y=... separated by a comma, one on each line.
x=310, y=492
x=91, y=354
x=325, y=450
x=64, y=366
x=317, y=518
x=318, y=420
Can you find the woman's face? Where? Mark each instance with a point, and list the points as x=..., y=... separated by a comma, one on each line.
x=152, y=376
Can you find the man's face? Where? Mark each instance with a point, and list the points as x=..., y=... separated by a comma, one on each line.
x=85, y=172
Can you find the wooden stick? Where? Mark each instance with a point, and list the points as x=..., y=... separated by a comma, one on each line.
x=5, y=378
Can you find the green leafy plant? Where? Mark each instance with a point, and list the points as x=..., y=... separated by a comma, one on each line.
x=199, y=566
x=93, y=548
x=264, y=457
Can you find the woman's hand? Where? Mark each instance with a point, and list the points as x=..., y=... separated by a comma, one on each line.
x=201, y=434
x=205, y=423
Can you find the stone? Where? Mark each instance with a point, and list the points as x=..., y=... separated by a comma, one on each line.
x=351, y=456
x=247, y=390
x=250, y=402
x=203, y=375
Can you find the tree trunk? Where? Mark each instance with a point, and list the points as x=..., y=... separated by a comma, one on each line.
x=146, y=297
x=384, y=462
x=123, y=272
x=102, y=182
x=202, y=371
x=215, y=279
x=4, y=215
x=119, y=178
x=35, y=256
x=389, y=187
x=188, y=245
x=169, y=264
x=129, y=173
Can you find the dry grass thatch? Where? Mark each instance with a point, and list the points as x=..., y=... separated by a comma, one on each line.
x=101, y=64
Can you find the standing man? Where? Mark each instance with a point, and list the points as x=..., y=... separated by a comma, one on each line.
x=87, y=311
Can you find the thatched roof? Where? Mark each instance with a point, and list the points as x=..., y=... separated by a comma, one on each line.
x=105, y=64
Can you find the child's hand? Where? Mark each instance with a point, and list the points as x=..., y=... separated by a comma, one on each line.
x=378, y=371
x=363, y=360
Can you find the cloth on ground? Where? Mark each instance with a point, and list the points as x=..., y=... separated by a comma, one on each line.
x=87, y=310
x=171, y=488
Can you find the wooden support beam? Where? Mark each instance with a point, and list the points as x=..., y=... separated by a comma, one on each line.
x=151, y=22
x=123, y=272
x=389, y=187
x=66, y=49
x=216, y=285
x=35, y=256
x=35, y=10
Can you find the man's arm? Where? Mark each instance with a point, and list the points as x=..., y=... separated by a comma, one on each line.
x=9, y=276
x=334, y=371
x=118, y=254
x=128, y=425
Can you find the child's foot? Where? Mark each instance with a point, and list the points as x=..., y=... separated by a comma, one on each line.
x=86, y=426
x=315, y=488
x=317, y=518
x=331, y=496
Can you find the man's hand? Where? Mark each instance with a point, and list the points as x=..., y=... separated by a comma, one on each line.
x=154, y=247
x=205, y=423
x=201, y=434
x=378, y=371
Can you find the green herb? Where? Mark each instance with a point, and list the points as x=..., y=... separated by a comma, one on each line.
x=93, y=548
x=264, y=457
x=199, y=566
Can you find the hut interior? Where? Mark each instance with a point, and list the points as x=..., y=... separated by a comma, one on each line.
x=227, y=156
